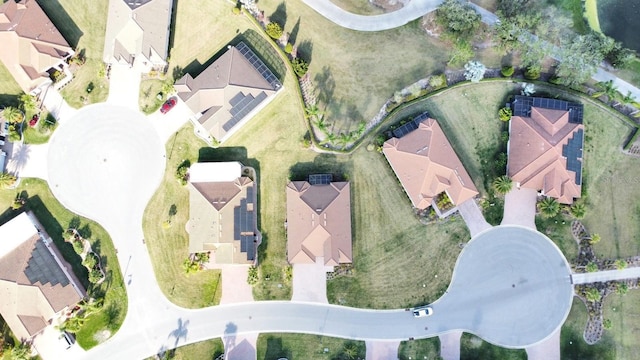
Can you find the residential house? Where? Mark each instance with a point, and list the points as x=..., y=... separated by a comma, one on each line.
x=545, y=147
x=138, y=33
x=228, y=92
x=33, y=50
x=36, y=284
x=222, y=212
x=426, y=164
x=319, y=221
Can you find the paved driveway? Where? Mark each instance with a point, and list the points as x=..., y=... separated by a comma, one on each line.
x=168, y=124
x=382, y=350
x=472, y=216
x=520, y=208
x=310, y=282
x=124, y=86
x=26, y=160
x=546, y=350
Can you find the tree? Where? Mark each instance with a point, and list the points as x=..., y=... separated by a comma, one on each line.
x=6, y=180
x=458, y=18
x=505, y=113
x=620, y=264
x=20, y=351
x=300, y=67
x=622, y=288
x=12, y=114
x=606, y=324
x=595, y=238
x=549, y=207
x=274, y=30
x=503, y=184
x=72, y=324
x=582, y=56
x=620, y=57
x=592, y=294
x=474, y=71
x=606, y=89
x=461, y=52
x=512, y=8
x=532, y=51
x=28, y=102
x=591, y=267
x=578, y=210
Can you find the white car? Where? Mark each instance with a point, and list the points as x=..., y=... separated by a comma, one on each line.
x=66, y=340
x=423, y=311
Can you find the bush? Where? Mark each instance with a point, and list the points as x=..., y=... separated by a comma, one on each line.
x=274, y=30
x=505, y=114
x=78, y=246
x=252, y=277
x=288, y=48
x=474, y=71
x=507, y=71
x=236, y=10
x=95, y=275
x=90, y=261
x=532, y=73
x=438, y=81
x=182, y=172
x=300, y=67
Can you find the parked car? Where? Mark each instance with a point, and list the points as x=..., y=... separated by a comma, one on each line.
x=168, y=105
x=66, y=339
x=422, y=311
x=34, y=120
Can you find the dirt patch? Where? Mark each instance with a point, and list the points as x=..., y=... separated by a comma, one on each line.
x=389, y=5
x=102, y=335
x=428, y=23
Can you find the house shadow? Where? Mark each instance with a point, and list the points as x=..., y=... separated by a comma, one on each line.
x=63, y=22
x=256, y=43
x=322, y=164
x=172, y=27
x=7, y=100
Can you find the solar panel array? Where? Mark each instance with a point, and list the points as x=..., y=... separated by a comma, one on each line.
x=320, y=179
x=259, y=65
x=244, y=229
x=242, y=108
x=43, y=267
x=411, y=125
x=522, y=107
x=573, y=152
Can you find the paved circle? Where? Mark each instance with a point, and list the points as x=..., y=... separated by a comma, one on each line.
x=511, y=286
x=105, y=163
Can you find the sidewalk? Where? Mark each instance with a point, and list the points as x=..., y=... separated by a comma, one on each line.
x=602, y=276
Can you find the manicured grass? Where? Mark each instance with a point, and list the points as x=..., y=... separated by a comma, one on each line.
x=474, y=348
x=55, y=219
x=362, y=7
x=573, y=346
x=169, y=247
x=40, y=134
x=149, y=91
x=420, y=349
x=624, y=313
x=558, y=229
x=300, y=346
x=209, y=349
x=83, y=24
x=591, y=13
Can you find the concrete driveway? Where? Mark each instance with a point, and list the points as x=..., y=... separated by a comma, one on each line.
x=26, y=160
x=472, y=216
x=382, y=350
x=168, y=124
x=124, y=86
x=520, y=208
x=310, y=282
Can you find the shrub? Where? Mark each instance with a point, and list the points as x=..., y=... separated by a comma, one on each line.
x=555, y=80
x=507, y=71
x=532, y=73
x=606, y=323
x=620, y=264
x=95, y=275
x=90, y=261
x=474, y=71
x=288, y=48
x=288, y=273
x=438, y=81
x=166, y=224
x=591, y=267
x=182, y=172
x=300, y=67
x=252, y=277
x=578, y=210
x=274, y=30
x=236, y=10
x=505, y=114
x=78, y=246
x=595, y=238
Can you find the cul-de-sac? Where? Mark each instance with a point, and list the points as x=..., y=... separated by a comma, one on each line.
x=319, y=179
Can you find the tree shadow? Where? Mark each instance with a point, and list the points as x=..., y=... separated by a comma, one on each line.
x=322, y=164
x=326, y=84
x=180, y=332
x=275, y=349
x=9, y=100
x=173, y=210
x=74, y=223
x=294, y=32
x=280, y=15
x=230, y=333
x=63, y=22
x=305, y=50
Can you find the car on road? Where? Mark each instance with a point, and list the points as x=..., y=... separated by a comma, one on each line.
x=423, y=311
x=168, y=105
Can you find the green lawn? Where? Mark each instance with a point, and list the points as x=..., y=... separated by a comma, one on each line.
x=362, y=7
x=624, y=313
x=300, y=346
x=474, y=348
x=209, y=349
x=149, y=91
x=41, y=133
x=631, y=74
x=573, y=346
x=55, y=219
x=83, y=24
x=420, y=349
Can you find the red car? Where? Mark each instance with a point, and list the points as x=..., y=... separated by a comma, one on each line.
x=168, y=105
x=34, y=120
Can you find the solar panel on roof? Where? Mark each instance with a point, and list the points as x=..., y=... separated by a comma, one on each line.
x=320, y=179
x=410, y=126
x=259, y=65
x=572, y=151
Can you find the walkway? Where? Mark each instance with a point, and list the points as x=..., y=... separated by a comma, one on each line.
x=520, y=208
x=603, y=276
x=473, y=217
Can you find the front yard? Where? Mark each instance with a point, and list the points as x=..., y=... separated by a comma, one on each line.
x=301, y=346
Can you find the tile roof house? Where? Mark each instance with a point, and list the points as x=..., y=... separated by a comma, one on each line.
x=545, y=147
x=222, y=212
x=228, y=92
x=426, y=164
x=319, y=222
x=35, y=282
x=138, y=33
x=31, y=45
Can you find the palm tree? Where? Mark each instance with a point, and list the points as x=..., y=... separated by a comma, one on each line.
x=503, y=184
x=28, y=102
x=312, y=110
x=12, y=114
x=592, y=294
x=595, y=238
x=6, y=180
x=72, y=324
x=89, y=307
x=549, y=207
x=578, y=210
x=620, y=264
x=627, y=99
x=321, y=124
x=608, y=89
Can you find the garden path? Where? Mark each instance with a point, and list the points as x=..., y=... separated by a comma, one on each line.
x=603, y=276
x=26, y=160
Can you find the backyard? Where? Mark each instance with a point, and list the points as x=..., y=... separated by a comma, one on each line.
x=56, y=219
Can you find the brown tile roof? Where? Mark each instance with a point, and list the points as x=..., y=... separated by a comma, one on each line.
x=426, y=165
x=227, y=90
x=31, y=44
x=222, y=219
x=138, y=29
x=536, y=160
x=34, y=286
x=319, y=223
